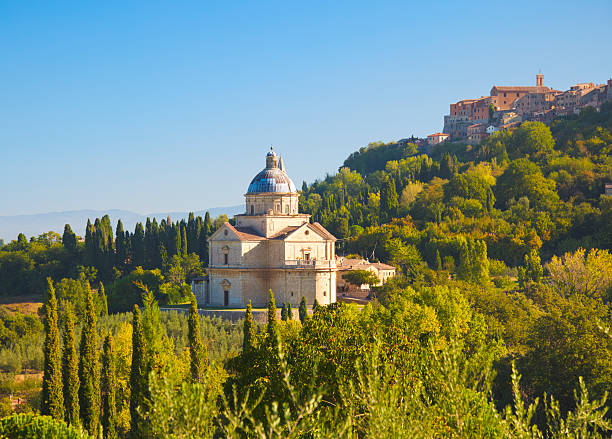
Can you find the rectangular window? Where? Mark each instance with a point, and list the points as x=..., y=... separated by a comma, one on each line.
x=226, y=259
x=225, y=298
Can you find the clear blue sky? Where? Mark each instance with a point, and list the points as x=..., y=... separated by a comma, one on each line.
x=170, y=106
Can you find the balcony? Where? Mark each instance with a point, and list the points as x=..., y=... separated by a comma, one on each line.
x=288, y=264
x=311, y=264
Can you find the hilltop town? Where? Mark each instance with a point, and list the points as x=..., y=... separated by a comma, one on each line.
x=506, y=107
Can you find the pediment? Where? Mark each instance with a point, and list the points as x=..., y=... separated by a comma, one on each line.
x=306, y=232
x=225, y=233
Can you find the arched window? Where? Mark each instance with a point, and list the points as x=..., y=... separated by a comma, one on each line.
x=252, y=209
x=225, y=250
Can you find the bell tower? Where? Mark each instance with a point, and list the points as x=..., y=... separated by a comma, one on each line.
x=539, y=80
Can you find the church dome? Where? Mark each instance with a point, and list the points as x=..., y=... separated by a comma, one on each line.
x=272, y=178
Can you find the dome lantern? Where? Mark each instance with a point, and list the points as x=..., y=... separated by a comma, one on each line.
x=272, y=179
x=271, y=159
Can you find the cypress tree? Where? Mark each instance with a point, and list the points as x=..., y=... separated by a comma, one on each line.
x=69, y=238
x=157, y=244
x=177, y=240
x=388, y=200
x=315, y=305
x=465, y=260
x=52, y=403
x=109, y=384
x=138, y=383
x=138, y=245
x=289, y=312
x=438, y=261
x=191, y=233
x=88, y=370
x=90, y=247
x=70, y=372
x=272, y=324
x=103, y=300
x=149, y=244
x=205, y=233
x=120, y=244
x=197, y=351
x=284, y=312
x=303, y=311
x=249, y=331
x=183, y=240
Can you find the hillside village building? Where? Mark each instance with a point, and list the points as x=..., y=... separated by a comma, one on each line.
x=434, y=139
x=503, y=97
x=384, y=272
x=516, y=104
x=271, y=247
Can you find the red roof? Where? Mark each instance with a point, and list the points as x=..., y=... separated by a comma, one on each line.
x=323, y=231
x=245, y=233
x=438, y=134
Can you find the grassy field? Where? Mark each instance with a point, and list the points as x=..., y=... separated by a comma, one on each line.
x=22, y=304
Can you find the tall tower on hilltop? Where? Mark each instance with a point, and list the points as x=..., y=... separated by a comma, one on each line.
x=539, y=80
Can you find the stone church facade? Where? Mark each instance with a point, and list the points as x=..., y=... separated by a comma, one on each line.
x=271, y=247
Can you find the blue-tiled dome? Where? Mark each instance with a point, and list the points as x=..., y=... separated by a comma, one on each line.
x=271, y=180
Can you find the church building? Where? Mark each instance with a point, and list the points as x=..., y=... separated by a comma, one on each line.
x=271, y=247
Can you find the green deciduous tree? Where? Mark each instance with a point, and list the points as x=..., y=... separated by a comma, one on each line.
x=360, y=277
x=473, y=261
x=52, y=401
x=523, y=178
x=531, y=138
x=581, y=272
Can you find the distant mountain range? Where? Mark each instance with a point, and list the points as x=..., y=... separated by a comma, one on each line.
x=35, y=224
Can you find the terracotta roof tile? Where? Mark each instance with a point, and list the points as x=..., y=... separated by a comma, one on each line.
x=438, y=134
x=246, y=233
x=323, y=231
x=519, y=88
x=282, y=234
x=382, y=266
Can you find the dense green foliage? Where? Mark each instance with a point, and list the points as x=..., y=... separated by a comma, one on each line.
x=176, y=250
x=27, y=426
x=535, y=188
x=497, y=325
